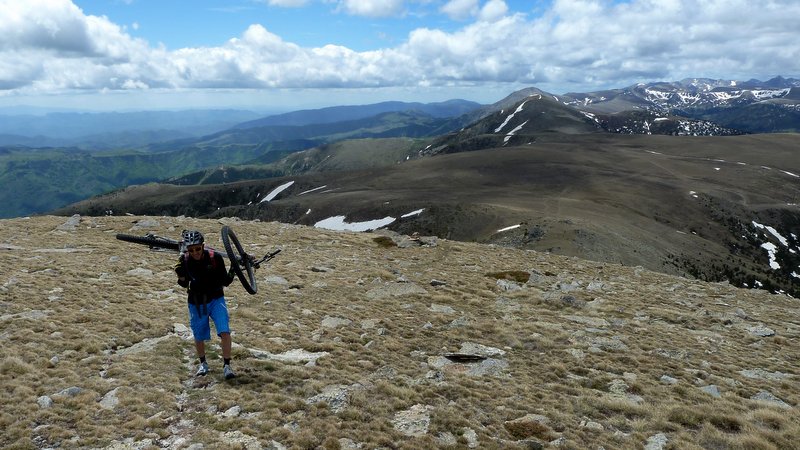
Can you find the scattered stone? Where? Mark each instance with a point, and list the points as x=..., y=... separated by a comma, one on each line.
x=712, y=390
x=572, y=302
x=335, y=322
x=761, y=374
x=666, y=379
x=480, y=350
x=436, y=282
x=656, y=442
x=237, y=439
x=488, y=366
x=335, y=396
x=140, y=272
x=110, y=400
x=233, y=411
x=322, y=269
x=576, y=353
x=592, y=425
x=349, y=444
x=471, y=436
x=32, y=315
x=414, y=421
x=44, y=402
x=274, y=279
x=761, y=331
x=508, y=285
x=53, y=361
x=147, y=345
x=619, y=389
x=459, y=323
x=292, y=356
x=369, y=324
x=766, y=396
x=596, y=286
x=441, y=309
x=71, y=224
x=147, y=224
x=69, y=392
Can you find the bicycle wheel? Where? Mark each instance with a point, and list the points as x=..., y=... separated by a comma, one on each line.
x=151, y=241
x=241, y=262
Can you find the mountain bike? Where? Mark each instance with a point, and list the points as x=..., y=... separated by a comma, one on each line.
x=243, y=264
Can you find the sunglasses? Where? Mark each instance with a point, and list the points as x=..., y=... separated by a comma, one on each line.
x=195, y=249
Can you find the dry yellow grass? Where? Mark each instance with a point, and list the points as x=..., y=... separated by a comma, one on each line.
x=603, y=355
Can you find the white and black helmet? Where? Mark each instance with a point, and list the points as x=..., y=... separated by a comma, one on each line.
x=192, y=237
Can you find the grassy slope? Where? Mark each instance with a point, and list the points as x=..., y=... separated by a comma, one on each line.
x=586, y=344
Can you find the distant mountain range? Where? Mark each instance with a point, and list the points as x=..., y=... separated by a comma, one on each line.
x=111, y=151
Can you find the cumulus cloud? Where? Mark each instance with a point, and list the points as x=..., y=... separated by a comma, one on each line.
x=460, y=9
x=372, y=8
x=51, y=46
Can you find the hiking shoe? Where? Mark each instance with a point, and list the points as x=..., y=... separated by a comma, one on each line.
x=202, y=370
x=226, y=369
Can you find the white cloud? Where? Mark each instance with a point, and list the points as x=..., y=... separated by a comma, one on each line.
x=52, y=46
x=460, y=9
x=493, y=10
x=287, y=3
x=372, y=8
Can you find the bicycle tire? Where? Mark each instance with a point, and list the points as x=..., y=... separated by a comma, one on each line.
x=240, y=261
x=152, y=242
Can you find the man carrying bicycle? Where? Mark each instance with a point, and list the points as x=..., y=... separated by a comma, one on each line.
x=203, y=273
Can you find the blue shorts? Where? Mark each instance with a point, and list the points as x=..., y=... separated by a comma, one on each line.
x=217, y=311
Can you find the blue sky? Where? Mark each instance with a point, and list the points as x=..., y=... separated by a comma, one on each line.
x=295, y=54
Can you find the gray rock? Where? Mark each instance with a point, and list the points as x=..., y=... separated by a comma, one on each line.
x=766, y=396
x=472, y=437
x=472, y=348
x=70, y=224
x=349, y=444
x=274, y=279
x=147, y=224
x=666, y=379
x=140, y=272
x=508, y=286
x=413, y=421
x=761, y=331
x=335, y=396
x=711, y=389
x=441, y=309
x=335, y=322
x=233, y=411
x=656, y=442
x=110, y=400
x=69, y=392
x=761, y=374
x=44, y=402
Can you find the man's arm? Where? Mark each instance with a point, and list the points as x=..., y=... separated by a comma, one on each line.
x=226, y=277
x=180, y=270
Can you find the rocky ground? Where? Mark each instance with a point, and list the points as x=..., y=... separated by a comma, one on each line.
x=375, y=340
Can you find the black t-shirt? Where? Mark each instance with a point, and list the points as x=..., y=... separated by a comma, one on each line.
x=205, y=278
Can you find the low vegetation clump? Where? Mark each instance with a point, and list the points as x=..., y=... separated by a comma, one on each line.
x=349, y=344
x=520, y=276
